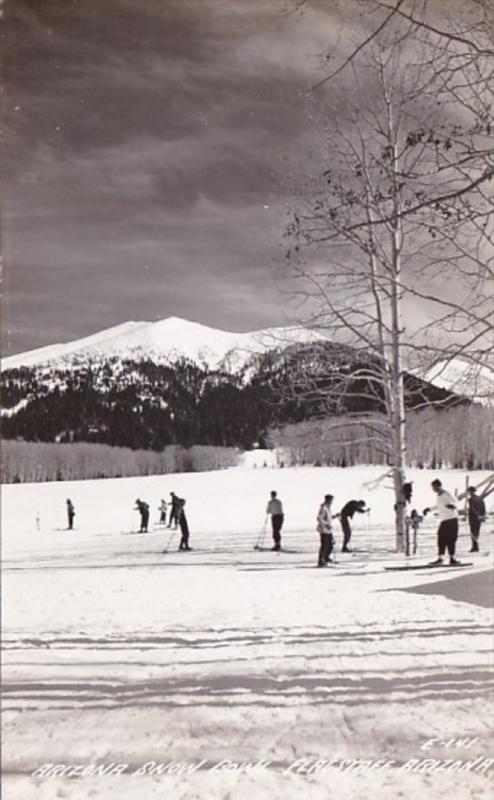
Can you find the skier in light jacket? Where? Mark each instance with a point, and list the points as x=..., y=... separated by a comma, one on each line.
x=275, y=509
x=325, y=530
x=447, y=533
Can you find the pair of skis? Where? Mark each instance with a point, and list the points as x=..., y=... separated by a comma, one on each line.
x=431, y=565
x=259, y=546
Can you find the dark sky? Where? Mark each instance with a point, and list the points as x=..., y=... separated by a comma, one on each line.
x=148, y=144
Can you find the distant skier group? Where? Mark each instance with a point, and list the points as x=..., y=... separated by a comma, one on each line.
x=177, y=517
x=324, y=524
x=447, y=533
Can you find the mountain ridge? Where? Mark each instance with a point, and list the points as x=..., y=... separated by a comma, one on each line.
x=164, y=341
x=204, y=387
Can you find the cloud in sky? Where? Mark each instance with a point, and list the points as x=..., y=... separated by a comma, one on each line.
x=149, y=146
x=146, y=144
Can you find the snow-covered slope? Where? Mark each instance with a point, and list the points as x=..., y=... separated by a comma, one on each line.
x=464, y=378
x=170, y=664
x=166, y=340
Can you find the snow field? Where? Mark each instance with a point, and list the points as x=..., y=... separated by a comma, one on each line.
x=117, y=653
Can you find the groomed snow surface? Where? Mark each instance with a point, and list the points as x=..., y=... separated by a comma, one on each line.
x=119, y=654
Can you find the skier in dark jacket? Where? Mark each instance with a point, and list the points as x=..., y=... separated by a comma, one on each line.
x=184, y=527
x=70, y=514
x=143, y=509
x=476, y=516
x=175, y=508
x=346, y=514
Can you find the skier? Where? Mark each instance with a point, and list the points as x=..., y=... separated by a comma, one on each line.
x=447, y=533
x=325, y=530
x=175, y=507
x=476, y=516
x=162, y=510
x=412, y=522
x=70, y=514
x=347, y=513
x=182, y=521
x=275, y=508
x=143, y=509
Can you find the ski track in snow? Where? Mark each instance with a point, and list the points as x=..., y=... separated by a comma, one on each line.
x=117, y=652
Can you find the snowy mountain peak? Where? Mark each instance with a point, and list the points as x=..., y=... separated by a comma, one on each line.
x=165, y=341
x=463, y=377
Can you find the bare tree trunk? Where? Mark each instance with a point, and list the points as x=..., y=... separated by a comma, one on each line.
x=397, y=387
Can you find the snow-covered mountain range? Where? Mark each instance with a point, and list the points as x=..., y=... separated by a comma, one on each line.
x=151, y=384
x=167, y=340
x=462, y=377
x=164, y=342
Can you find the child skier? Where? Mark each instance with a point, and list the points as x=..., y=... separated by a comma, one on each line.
x=162, y=510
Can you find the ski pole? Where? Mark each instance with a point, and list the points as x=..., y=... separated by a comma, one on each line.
x=139, y=523
x=333, y=548
x=260, y=538
x=169, y=541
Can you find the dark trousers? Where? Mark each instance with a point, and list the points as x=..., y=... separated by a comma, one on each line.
x=184, y=541
x=173, y=517
x=162, y=517
x=347, y=532
x=447, y=535
x=71, y=516
x=475, y=532
x=326, y=547
x=144, y=521
x=277, y=524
